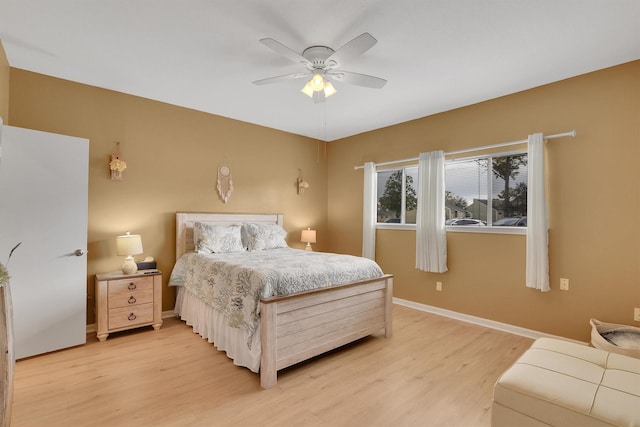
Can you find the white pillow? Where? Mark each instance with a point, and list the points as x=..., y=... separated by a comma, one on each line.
x=264, y=236
x=210, y=238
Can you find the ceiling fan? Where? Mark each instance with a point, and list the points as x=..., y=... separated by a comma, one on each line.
x=322, y=64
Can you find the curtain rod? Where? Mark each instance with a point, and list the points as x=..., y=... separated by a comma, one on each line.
x=469, y=150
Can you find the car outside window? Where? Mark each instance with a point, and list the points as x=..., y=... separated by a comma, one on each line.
x=490, y=190
x=511, y=222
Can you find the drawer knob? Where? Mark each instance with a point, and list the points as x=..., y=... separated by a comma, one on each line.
x=132, y=300
x=132, y=316
x=131, y=286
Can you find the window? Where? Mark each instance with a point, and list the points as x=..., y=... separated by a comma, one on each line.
x=397, y=195
x=488, y=192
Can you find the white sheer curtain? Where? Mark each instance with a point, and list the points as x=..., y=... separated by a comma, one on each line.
x=369, y=201
x=431, y=238
x=537, y=264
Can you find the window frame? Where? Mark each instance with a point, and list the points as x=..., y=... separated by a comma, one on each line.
x=403, y=200
x=489, y=229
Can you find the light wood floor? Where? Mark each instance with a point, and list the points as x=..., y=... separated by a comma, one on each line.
x=435, y=371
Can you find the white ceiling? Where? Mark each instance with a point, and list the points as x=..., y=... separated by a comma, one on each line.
x=203, y=54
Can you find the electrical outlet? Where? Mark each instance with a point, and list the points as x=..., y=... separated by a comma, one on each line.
x=438, y=286
x=636, y=314
x=564, y=284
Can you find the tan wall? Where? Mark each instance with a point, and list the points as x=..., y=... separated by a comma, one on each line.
x=594, y=205
x=4, y=85
x=172, y=155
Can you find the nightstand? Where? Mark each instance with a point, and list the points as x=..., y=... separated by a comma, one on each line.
x=126, y=301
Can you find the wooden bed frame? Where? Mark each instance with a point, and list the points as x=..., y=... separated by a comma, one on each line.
x=300, y=326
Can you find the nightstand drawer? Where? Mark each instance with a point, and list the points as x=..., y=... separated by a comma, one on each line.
x=129, y=298
x=130, y=284
x=130, y=316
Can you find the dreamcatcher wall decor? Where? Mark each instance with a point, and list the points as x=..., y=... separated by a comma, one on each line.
x=225, y=183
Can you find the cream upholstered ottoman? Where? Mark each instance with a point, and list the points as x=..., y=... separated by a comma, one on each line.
x=560, y=383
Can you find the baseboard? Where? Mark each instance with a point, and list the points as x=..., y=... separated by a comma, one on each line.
x=93, y=328
x=504, y=327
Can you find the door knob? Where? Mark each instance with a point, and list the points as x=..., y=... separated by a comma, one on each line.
x=79, y=252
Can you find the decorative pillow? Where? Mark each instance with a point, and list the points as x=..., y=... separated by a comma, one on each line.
x=209, y=238
x=264, y=236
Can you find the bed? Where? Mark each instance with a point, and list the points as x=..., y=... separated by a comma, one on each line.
x=290, y=328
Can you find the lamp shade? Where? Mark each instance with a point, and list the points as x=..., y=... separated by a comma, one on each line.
x=317, y=82
x=329, y=89
x=308, y=236
x=129, y=244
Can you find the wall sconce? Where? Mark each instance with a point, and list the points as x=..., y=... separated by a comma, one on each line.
x=308, y=237
x=117, y=165
x=128, y=245
x=302, y=184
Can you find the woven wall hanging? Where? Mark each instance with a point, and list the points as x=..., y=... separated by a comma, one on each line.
x=225, y=183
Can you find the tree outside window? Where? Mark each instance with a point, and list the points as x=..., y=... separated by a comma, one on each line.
x=398, y=197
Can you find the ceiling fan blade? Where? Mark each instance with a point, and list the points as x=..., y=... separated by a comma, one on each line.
x=279, y=79
x=283, y=50
x=357, y=79
x=353, y=48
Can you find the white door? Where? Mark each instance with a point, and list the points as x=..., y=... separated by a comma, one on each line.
x=43, y=205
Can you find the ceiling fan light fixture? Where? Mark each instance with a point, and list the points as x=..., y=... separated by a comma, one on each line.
x=329, y=89
x=317, y=82
x=308, y=90
x=317, y=86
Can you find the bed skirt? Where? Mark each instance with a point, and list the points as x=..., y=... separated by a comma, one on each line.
x=213, y=326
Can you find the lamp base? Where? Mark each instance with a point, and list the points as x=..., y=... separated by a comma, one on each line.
x=308, y=247
x=129, y=266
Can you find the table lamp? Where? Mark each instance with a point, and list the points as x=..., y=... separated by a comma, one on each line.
x=308, y=237
x=127, y=246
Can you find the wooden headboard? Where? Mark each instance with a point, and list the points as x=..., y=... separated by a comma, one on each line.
x=185, y=221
